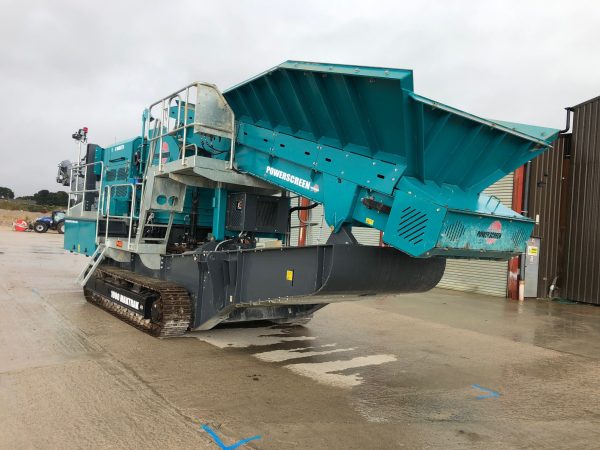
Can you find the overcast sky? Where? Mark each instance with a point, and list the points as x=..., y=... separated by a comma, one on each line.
x=66, y=64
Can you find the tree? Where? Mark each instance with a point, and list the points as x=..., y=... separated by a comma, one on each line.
x=45, y=197
x=61, y=198
x=6, y=193
x=42, y=197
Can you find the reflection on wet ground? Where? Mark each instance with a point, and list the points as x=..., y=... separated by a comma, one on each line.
x=418, y=357
x=301, y=352
x=562, y=326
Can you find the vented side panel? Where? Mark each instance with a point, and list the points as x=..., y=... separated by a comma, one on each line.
x=454, y=231
x=121, y=191
x=257, y=213
x=236, y=205
x=412, y=226
x=122, y=173
x=266, y=212
x=414, y=223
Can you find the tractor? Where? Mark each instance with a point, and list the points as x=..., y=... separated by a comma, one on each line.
x=56, y=221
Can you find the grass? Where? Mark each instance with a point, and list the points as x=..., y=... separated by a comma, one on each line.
x=16, y=205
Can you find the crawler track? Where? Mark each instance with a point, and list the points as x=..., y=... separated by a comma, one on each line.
x=174, y=302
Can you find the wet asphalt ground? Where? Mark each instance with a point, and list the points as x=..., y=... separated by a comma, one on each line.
x=436, y=370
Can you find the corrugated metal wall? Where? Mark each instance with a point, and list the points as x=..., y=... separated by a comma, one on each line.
x=502, y=189
x=366, y=236
x=318, y=232
x=294, y=223
x=482, y=277
x=548, y=192
x=582, y=259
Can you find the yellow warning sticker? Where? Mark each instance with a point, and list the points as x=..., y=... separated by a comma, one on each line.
x=289, y=275
x=369, y=221
x=532, y=250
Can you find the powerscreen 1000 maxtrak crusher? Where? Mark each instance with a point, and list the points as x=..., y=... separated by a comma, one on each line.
x=175, y=220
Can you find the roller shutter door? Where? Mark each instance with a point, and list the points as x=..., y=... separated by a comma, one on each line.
x=366, y=236
x=294, y=223
x=482, y=277
x=319, y=232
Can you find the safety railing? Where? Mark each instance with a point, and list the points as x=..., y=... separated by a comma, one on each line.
x=78, y=177
x=498, y=202
x=108, y=194
x=211, y=115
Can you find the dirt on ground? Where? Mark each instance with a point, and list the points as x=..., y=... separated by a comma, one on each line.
x=7, y=217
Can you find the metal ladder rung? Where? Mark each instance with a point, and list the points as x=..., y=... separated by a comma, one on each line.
x=154, y=239
x=90, y=268
x=158, y=225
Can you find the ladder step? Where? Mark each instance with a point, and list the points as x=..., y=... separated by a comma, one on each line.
x=90, y=268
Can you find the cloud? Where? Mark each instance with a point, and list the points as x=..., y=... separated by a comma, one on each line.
x=65, y=64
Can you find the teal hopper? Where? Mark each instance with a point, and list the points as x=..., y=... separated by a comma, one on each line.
x=360, y=141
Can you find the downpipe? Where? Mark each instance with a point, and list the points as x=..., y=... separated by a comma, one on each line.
x=525, y=212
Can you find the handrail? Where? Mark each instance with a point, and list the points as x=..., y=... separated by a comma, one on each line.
x=130, y=217
x=74, y=182
x=162, y=126
x=498, y=202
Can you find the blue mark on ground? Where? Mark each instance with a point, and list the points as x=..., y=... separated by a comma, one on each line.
x=490, y=393
x=220, y=443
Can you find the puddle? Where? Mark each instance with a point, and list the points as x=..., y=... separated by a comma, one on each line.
x=324, y=372
x=324, y=363
x=247, y=337
x=284, y=355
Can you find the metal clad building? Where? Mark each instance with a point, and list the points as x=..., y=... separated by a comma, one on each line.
x=548, y=194
x=482, y=277
x=582, y=259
